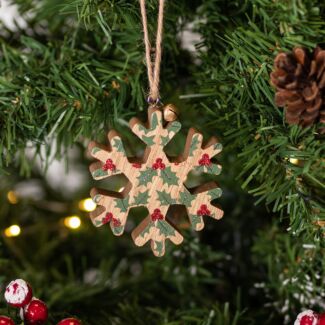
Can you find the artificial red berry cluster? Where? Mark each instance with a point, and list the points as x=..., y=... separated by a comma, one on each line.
x=136, y=165
x=158, y=164
x=157, y=215
x=33, y=311
x=109, y=217
x=205, y=160
x=203, y=211
x=109, y=165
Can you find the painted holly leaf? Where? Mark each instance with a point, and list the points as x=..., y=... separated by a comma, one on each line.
x=148, y=140
x=118, y=145
x=154, y=121
x=141, y=199
x=164, y=140
x=186, y=198
x=195, y=220
x=123, y=204
x=165, y=228
x=213, y=169
x=146, y=176
x=215, y=193
x=165, y=198
x=117, y=230
x=194, y=144
x=99, y=173
x=174, y=127
x=169, y=177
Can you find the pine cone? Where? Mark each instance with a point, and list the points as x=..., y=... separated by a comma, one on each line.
x=299, y=78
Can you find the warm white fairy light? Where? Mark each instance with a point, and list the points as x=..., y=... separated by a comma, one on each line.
x=72, y=222
x=294, y=161
x=12, y=197
x=87, y=205
x=12, y=231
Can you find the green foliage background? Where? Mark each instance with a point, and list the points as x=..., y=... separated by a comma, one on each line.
x=76, y=71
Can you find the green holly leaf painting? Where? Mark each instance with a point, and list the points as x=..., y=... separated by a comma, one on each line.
x=141, y=128
x=146, y=230
x=174, y=127
x=123, y=204
x=146, y=176
x=165, y=228
x=186, y=198
x=95, y=150
x=169, y=177
x=99, y=173
x=194, y=144
x=195, y=220
x=213, y=169
x=154, y=121
x=159, y=247
x=148, y=140
x=117, y=231
x=141, y=198
x=165, y=198
x=164, y=140
x=215, y=193
x=118, y=145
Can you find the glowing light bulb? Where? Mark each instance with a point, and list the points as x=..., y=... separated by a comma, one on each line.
x=87, y=205
x=72, y=222
x=12, y=197
x=12, y=231
x=294, y=161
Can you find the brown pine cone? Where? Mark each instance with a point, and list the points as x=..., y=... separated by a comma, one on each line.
x=299, y=78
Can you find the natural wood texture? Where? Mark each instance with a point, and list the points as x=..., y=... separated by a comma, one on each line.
x=155, y=181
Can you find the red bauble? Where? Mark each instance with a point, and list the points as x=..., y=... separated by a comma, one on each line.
x=321, y=319
x=18, y=293
x=35, y=313
x=307, y=317
x=69, y=321
x=4, y=320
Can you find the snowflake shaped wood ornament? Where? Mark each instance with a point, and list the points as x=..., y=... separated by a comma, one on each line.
x=155, y=182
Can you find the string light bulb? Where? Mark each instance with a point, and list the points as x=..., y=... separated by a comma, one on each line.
x=72, y=222
x=12, y=197
x=12, y=231
x=87, y=205
x=294, y=161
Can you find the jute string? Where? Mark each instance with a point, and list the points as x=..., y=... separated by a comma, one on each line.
x=153, y=67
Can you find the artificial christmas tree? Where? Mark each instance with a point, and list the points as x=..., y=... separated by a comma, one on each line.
x=73, y=70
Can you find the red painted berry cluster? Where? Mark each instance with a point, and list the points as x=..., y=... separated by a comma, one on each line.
x=158, y=164
x=109, y=165
x=136, y=165
x=157, y=215
x=205, y=160
x=109, y=217
x=203, y=211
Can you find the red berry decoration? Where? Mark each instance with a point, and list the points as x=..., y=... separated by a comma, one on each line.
x=109, y=165
x=18, y=293
x=157, y=215
x=205, y=160
x=159, y=164
x=307, y=317
x=321, y=319
x=35, y=313
x=4, y=320
x=69, y=321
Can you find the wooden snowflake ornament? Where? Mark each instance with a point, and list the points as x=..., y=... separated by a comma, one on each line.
x=155, y=182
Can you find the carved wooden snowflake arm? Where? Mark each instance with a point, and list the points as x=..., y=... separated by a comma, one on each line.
x=199, y=158
x=156, y=229
x=112, y=160
x=112, y=208
x=154, y=133
x=199, y=204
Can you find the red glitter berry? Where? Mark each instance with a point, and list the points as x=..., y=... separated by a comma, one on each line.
x=108, y=218
x=205, y=160
x=109, y=165
x=203, y=211
x=69, y=321
x=116, y=222
x=4, y=320
x=159, y=164
x=157, y=215
x=136, y=165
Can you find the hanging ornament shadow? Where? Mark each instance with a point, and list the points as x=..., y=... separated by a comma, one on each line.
x=155, y=181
